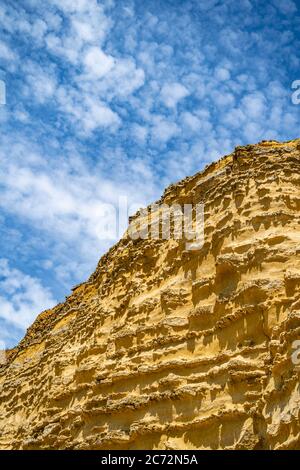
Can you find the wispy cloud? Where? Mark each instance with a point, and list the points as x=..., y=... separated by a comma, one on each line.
x=172, y=93
x=22, y=297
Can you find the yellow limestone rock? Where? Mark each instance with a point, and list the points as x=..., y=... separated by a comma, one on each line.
x=167, y=349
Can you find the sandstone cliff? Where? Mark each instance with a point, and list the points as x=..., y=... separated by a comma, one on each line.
x=164, y=348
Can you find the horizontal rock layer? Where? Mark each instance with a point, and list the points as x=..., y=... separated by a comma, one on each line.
x=165, y=348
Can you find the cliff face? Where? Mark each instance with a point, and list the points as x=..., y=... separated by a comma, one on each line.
x=165, y=348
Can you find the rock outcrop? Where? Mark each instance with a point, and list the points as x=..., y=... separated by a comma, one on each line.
x=165, y=348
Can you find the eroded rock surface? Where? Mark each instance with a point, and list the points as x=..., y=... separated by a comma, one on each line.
x=165, y=348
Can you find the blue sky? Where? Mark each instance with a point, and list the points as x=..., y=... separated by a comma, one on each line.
x=121, y=98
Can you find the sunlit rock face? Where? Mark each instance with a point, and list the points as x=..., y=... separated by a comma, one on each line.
x=166, y=348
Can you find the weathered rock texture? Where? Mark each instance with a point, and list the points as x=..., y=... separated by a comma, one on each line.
x=165, y=348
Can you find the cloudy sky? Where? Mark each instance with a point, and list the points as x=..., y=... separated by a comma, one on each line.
x=121, y=98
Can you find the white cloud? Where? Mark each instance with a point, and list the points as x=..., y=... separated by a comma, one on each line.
x=6, y=53
x=163, y=130
x=97, y=114
x=234, y=117
x=51, y=202
x=253, y=132
x=86, y=25
x=76, y=6
x=254, y=105
x=22, y=297
x=21, y=115
x=85, y=110
x=66, y=199
x=40, y=85
x=83, y=30
x=96, y=77
x=222, y=98
x=124, y=79
x=39, y=29
x=97, y=63
x=139, y=132
x=191, y=121
x=222, y=74
x=286, y=6
x=172, y=93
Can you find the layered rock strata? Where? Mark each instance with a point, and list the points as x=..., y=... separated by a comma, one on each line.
x=165, y=348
